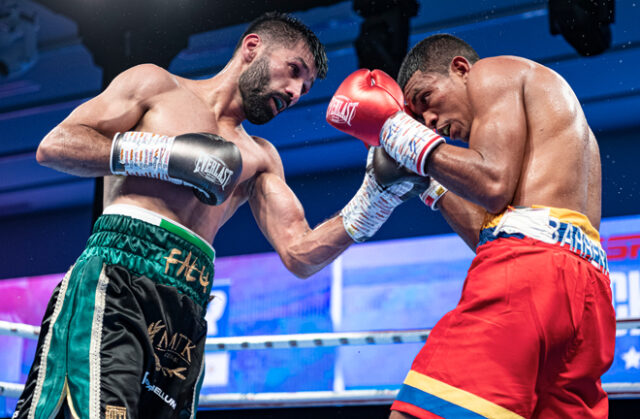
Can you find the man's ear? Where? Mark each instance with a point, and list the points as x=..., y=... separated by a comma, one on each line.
x=460, y=66
x=250, y=46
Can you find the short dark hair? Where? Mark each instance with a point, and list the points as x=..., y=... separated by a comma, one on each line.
x=434, y=54
x=285, y=29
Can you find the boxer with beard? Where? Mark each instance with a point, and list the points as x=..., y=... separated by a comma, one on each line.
x=124, y=332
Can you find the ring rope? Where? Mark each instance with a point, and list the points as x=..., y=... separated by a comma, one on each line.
x=302, y=340
x=314, y=340
x=306, y=340
x=319, y=398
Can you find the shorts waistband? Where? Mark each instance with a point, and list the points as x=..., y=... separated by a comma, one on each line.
x=566, y=228
x=147, y=244
x=152, y=218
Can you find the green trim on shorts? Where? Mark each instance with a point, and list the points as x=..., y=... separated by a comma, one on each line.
x=188, y=236
x=50, y=383
x=82, y=333
x=157, y=220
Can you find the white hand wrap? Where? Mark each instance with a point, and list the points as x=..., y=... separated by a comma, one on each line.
x=142, y=154
x=408, y=141
x=434, y=192
x=370, y=207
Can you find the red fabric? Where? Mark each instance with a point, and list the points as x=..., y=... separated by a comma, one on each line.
x=362, y=104
x=413, y=410
x=533, y=332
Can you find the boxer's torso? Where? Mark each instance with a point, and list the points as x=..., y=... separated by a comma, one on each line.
x=178, y=111
x=561, y=165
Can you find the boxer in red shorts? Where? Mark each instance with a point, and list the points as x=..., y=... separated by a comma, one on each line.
x=535, y=327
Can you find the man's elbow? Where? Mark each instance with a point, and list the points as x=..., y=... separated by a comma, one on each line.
x=50, y=149
x=497, y=198
x=45, y=154
x=496, y=206
x=300, y=270
x=303, y=275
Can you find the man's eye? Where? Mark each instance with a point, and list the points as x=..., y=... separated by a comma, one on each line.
x=294, y=70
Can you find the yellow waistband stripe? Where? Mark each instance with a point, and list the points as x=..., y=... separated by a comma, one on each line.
x=561, y=214
x=458, y=397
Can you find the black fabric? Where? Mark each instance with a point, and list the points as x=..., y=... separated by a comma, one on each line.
x=152, y=347
x=151, y=354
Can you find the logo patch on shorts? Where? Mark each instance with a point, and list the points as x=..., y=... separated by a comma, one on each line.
x=172, y=349
x=158, y=391
x=115, y=412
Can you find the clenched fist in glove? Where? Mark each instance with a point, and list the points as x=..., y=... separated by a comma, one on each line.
x=207, y=162
x=386, y=185
x=369, y=105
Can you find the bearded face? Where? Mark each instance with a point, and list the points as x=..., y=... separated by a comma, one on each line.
x=254, y=85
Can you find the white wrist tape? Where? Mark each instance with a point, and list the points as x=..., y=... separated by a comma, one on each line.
x=408, y=141
x=141, y=154
x=434, y=192
x=370, y=207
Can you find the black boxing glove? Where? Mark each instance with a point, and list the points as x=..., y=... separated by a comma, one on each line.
x=385, y=186
x=389, y=172
x=206, y=162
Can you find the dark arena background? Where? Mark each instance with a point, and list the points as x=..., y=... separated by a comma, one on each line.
x=55, y=54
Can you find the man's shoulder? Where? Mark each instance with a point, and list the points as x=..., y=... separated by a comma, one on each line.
x=269, y=153
x=502, y=65
x=266, y=146
x=501, y=71
x=148, y=77
x=149, y=70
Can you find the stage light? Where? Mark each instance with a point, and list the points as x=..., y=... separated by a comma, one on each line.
x=584, y=24
x=384, y=33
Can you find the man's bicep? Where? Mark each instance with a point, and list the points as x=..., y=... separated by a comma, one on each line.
x=121, y=105
x=277, y=210
x=499, y=128
x=106, y=114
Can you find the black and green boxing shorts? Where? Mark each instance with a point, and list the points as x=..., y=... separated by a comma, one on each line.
x=123, y=335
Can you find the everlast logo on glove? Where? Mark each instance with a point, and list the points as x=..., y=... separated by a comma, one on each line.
x=213, y=169
x=341, y=110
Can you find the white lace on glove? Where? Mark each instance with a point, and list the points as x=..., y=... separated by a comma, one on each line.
x=370, y=207
x=141, y=154
x=433, y=193
x=409, y=142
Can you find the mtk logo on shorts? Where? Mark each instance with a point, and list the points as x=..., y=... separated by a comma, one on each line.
x=172, y=351
x=341, y=110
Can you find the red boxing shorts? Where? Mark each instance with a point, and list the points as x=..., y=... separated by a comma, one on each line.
x=534, y=329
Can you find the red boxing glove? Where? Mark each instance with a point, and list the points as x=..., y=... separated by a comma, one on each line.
x=362, y=104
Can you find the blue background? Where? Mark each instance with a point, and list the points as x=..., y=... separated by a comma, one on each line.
x=45, y=216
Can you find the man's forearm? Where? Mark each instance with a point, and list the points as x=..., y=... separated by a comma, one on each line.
x=317, y=248
x=465, y=218
x=75, y=149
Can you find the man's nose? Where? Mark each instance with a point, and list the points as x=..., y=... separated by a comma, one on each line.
x=430, y=119
x=294, y=91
